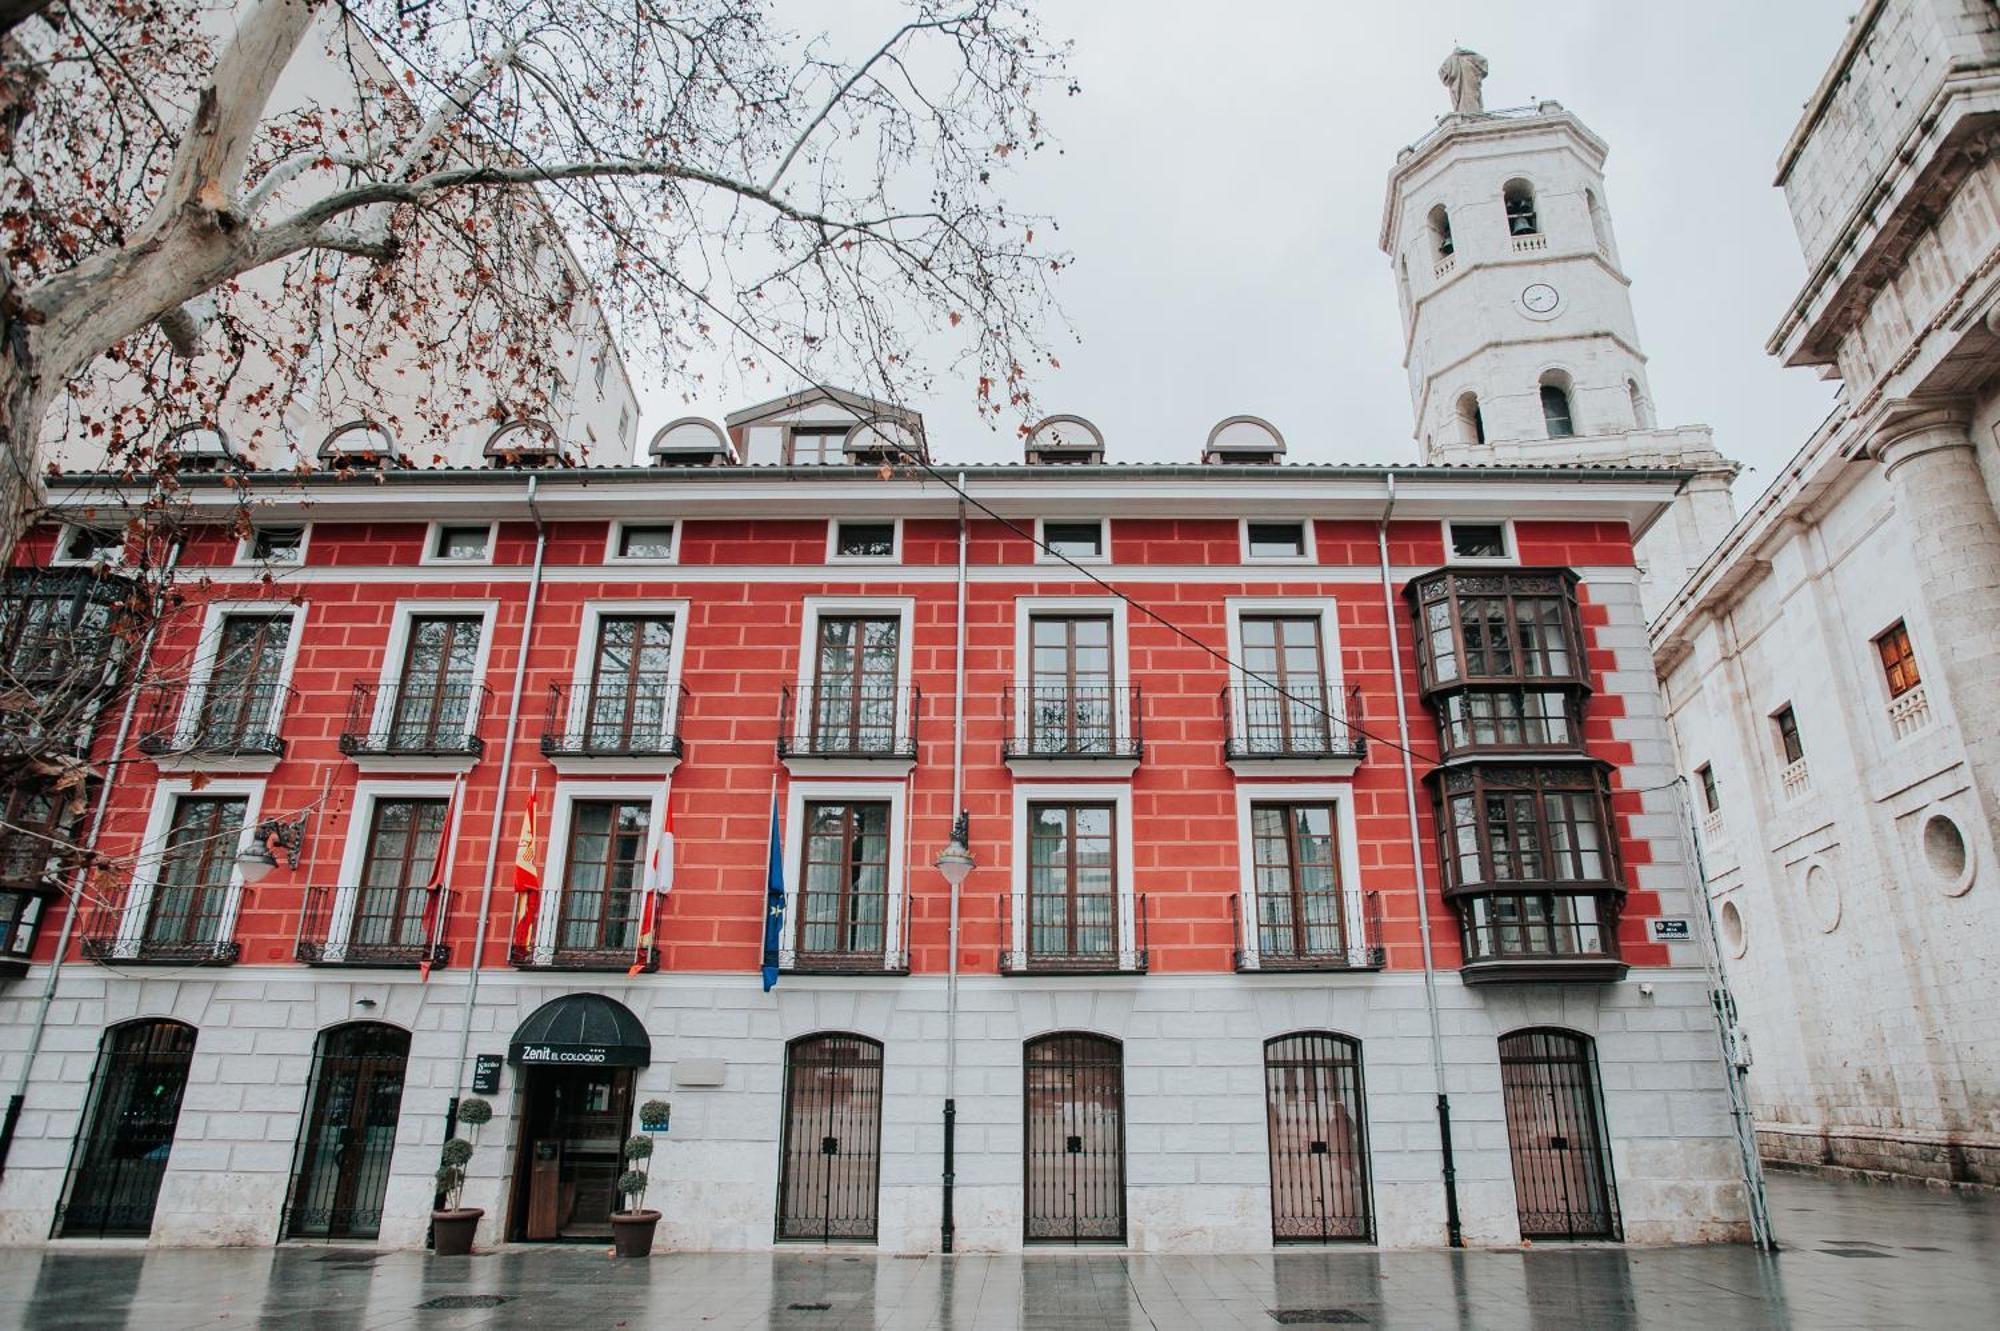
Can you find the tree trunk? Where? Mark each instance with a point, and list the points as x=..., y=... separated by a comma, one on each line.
x=24, y=398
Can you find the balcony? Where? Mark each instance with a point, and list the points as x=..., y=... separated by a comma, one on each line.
x=182, y=927
x=1795, y=781
x=406, y=726
x=1537, y=937
x=194, y=724
x=1513, y=723
x=877, y=961
x=1276, y=946
x=366, y=926
x=1509, y=628
x=565, y=958
x=1303, y=727
x=592, y=727
x=1073, y=726
x=828, y=727
x=1909, y=712
x=1056, y=945
x=63, y=641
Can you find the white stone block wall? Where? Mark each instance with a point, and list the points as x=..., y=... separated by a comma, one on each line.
x=1197, y=1163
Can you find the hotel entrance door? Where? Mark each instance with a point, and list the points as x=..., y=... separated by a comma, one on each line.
x=566, y=1177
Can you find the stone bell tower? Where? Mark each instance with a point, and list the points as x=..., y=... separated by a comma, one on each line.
x=1518, y=333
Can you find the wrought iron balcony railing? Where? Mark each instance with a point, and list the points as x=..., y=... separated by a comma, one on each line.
x=1298, y=721
x=597, y=720
x=1279, y=943
x=563, y=958
x=175, y=925
x=366, y=926
x=1074, y=936
x=1060, y=721
x=415, y=720
x=221, y=722
x=842, y=720
x=879, y=961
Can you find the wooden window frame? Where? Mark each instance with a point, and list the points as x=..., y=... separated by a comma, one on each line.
x=1296, y=895
x=611, y=863
x=1441, y=599
x=1070, y=896
x=1785, y=729
x=846, y=894
x=1525, y=836
x=1898, y=659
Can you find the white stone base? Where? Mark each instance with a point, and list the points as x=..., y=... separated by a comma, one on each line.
x=1196, y=1150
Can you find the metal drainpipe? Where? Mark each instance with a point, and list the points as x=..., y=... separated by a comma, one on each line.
x=20, y=1094
x=499, y=808
x=949, y=1228
x=1453, y=1231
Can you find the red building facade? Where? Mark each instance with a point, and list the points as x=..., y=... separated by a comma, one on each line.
x=1194, y=1003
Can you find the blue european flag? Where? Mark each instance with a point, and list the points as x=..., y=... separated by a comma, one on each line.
x=774, y=901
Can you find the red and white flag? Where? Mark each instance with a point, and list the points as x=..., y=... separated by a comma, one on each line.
x=659, y=881
x=434, y=888
x=527, y=876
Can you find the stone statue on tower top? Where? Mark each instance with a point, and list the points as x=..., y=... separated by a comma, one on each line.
x=1462, y=73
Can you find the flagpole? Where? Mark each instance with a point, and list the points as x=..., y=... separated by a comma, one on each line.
x=770, y=957
x=444, y=879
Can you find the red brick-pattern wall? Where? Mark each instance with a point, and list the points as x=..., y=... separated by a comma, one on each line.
x=742, y=641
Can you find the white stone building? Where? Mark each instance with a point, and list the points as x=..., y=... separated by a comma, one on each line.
x=1833, y=668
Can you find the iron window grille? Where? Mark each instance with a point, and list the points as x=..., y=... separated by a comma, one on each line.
x=379, y=921
x=1302, y=719
x=848, y=719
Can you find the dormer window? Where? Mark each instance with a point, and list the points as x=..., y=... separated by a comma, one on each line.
x=1061, y=439
x=817, y=445
x=523, y=444
x=201, y=448
x=1519, y=196
x=1250, y=440
x=358, y=441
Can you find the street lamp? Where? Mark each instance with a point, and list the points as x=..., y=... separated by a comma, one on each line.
x=955, y=862
x=258, y=858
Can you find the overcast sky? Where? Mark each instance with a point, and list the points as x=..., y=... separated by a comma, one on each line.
x=1221, y=189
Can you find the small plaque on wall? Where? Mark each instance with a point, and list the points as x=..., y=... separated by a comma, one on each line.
x=486, y=1074
x=698, y=1072
x=1673, y=931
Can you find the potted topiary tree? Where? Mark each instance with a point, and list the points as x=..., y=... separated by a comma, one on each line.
x=453, y=1225
x=632, y=1228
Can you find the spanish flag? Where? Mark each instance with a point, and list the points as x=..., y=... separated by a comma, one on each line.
x=527, y=878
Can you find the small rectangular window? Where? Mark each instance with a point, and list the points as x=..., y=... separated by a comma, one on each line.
x=278, y=545
x=624, y=424
x=92, y=545
x=1074, y=540
x=1277, y=540
x=653, y=540
x=597, y=371
x=1787, y=725
x=817, y=445
x=456, y=543
x=1478, y=540
x=864, y=540
x=1710, y=800
x=1899, y=660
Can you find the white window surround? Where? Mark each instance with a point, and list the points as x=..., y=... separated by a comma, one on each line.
x=594, y=613
x=430, y=555
x=246, y=548
x=561, y=810
x=1044, y=556
x=833, y=555
x=1119, y=796
x=391, y=674
x=1506, y=525
x=153, y=846
x=202, y=668
x=1026, y=610
x=354, y=851
x=797, y=795
x=1310, y=554
x=616, y=536
x=1332, y=682
x=904, y=608
x=1341, y=796
x=62, y=558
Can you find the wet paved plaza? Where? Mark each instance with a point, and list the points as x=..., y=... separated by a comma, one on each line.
x=1855, y=1255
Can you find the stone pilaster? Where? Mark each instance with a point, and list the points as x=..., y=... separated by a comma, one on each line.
x=1954, y=536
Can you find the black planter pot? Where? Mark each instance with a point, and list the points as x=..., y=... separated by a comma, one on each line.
x=452, y=1231
x=632, y=1232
